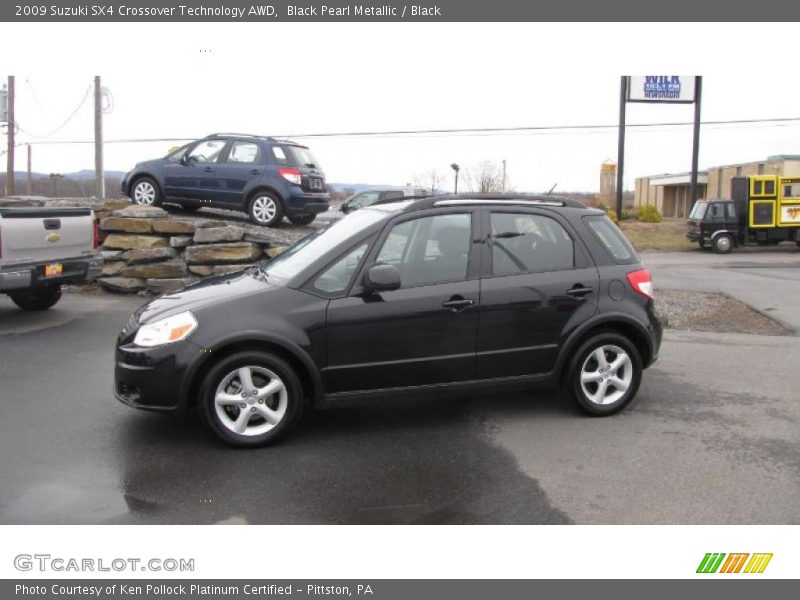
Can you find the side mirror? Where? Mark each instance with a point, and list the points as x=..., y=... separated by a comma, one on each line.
x=344, y=208
x=382, y=278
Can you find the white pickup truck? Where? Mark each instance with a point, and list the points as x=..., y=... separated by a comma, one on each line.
x=43, y=248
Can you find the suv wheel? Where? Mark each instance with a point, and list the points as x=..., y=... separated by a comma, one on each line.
x=39, y=300
x=145, y=192
x=265, y=209
x=605, y=374
x=722, y=244
x=303, y=219
x=251, y=398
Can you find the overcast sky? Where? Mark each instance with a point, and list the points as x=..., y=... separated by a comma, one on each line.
x=294, y=79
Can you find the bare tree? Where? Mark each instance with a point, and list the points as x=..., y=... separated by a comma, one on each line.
x=433, y=180
x=485, y=177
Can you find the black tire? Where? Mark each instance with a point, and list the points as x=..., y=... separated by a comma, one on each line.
x=262, y=367
x=584, y=360
x=265, y=209
x=303, y=219
x=722, y=244
x=145, y=192
x=39, y=300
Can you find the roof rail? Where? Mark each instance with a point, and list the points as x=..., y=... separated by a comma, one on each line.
x=248, y=135
x=507, y=199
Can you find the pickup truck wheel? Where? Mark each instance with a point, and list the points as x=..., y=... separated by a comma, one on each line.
x=722, y=244
x=145, y=192
x=265, y=209
x=303, y=219
x=40, y=300
x=604, y=374
x=251, y=398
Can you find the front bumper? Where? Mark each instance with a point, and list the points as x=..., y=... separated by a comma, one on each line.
x=32, y=277
x=154, y=379
x=307, y=203
x=125, y=184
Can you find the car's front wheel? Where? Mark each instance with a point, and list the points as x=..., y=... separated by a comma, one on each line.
x=145, y=192
x=605, y=374
x=265, y=209
x=39, y=300
x=251, y=398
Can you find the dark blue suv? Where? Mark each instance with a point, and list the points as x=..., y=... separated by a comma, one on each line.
x=261, y=176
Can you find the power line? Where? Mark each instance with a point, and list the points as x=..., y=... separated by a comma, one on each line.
x=64, y=124
x=462, y=131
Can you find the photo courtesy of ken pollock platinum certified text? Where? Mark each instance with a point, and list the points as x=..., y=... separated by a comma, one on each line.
x=193, y=589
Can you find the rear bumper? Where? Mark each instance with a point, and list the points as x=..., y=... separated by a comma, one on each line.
x=32, y=277
x=307, y=203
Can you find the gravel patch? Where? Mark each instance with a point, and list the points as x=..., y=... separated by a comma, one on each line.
x=699, y=311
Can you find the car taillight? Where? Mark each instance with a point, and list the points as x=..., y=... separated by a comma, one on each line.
x=291, y=175
x=96, y=238
x=641, y=282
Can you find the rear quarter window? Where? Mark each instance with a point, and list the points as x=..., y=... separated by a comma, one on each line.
x=611, y=239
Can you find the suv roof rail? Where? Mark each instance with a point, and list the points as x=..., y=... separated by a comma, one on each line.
x=244, y=135
x=506, y=199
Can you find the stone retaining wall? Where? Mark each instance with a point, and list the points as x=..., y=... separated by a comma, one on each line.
x=147, y=250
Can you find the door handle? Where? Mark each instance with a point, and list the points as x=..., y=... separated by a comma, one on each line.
x=579, y=291
x=457, y=303
x=208, y=170
x=254, y=171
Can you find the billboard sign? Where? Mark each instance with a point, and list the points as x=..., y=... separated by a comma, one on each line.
x=3, y=105
x=661, y=88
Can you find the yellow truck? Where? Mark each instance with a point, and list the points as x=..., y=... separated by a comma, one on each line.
x=763, y=210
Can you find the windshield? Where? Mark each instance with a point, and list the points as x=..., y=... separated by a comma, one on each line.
x=317, y=244
x=698, y=212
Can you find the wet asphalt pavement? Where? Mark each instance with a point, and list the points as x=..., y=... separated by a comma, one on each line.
x=712, y=438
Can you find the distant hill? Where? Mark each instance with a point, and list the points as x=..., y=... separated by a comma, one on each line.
x=79, y=175
x=356, y=187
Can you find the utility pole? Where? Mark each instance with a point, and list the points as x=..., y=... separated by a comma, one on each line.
x=29, y=186
x=504, y=175
x=623, y=98
x=698, y=93
x=11, y=126
x=99, y=174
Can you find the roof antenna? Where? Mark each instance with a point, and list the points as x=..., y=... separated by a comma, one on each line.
x=551, y=189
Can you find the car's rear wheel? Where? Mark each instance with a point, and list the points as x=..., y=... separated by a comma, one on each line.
x=39, y=300
x=251, y=398
x=145, y=192
x=722, y=244
x=605, y=374
x=265, y=209
x=303, y=219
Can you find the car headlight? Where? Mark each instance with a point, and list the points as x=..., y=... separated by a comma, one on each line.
x=166, y=331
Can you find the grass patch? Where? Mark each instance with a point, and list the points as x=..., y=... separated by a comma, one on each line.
x=666, y=236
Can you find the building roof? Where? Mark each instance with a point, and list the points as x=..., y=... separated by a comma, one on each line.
x=678, y=178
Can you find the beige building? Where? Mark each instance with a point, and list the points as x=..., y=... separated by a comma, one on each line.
x=669, y=193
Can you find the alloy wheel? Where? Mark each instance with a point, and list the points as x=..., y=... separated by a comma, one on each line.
x=606, y=375
x=251, y=400
x=264, y=209
x=144, y=193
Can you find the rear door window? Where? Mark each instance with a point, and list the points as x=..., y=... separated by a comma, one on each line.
x=527, y=243
x=612, y=239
